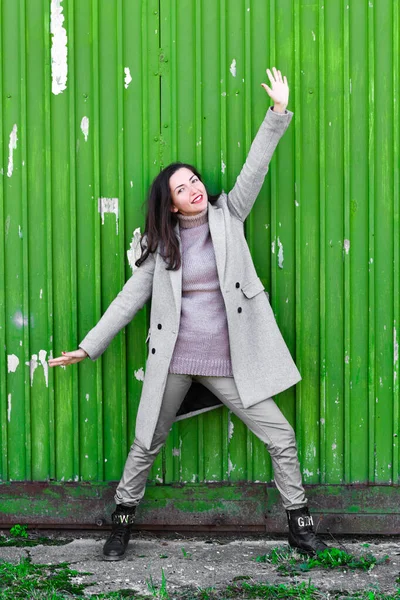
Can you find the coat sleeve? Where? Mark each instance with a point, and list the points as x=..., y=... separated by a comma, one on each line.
x=248, y=184
x=122, y=309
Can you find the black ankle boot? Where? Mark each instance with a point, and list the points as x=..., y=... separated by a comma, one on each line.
x=123, y=518
x=301, y=532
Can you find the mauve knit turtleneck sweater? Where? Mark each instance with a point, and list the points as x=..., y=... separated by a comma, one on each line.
x=202, y=347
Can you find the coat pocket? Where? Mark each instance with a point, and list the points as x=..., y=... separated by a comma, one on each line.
x=253, y=288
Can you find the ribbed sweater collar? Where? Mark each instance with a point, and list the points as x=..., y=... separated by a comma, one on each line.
x=187, y=222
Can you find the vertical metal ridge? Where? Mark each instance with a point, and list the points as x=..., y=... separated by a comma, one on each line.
x=347, y=236
x=96, y=227
x=396, y=240
x=198, y=69
x=145, y=91
x=24, y=205
x=322, y=239
x=121, y=204
x=173, y=72
x=72, y=193
x=49, y=239
x=371, y=246
x=297, y=197
x=3, y=360
x=223, y=84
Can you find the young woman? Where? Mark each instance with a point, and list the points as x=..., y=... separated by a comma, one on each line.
x=210, y=323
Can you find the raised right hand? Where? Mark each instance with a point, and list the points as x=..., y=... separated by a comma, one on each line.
x=68, y=358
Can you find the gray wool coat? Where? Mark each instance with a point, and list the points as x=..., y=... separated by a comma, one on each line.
x=261, y=362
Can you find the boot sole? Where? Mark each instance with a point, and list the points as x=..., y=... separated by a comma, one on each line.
x=105, y=557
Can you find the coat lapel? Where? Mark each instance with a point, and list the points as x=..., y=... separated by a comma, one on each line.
x=217, y=229
x=176, y=279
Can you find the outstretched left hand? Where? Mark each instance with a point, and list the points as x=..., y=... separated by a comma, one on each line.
x=279, y=90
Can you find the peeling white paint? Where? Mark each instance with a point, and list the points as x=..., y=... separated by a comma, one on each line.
x=87, y=397
x=231, y=466
x=33, y=365
x=9, y=407
x=19, y=320
x=85, y=127
x=223, y=166
x=334, y=446
x=346, y=246
x=12, y=363
x=139, y=374
x=347, y=359
x=395, y=346
x=20, y=234
x=280, y=254
x=230, y=426
x=7, y=225
x=176, y=452
x=109, y=205
x=273, y=246
x=12, y=145
x=135, y=250
x=41, y=294
x=232, y=68
x=307, y=473
x=59, y=50
x=43, y=362
x=296, y=203
x=322, y=421
x=313, y=35
x=131, y=182
x=128, y=77
x=381, y=381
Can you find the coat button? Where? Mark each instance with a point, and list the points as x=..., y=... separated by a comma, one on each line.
x=159, y=326
x=239, y=309
x=153, y=350
x=237, y=284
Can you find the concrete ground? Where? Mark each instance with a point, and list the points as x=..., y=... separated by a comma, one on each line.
x=204, y=562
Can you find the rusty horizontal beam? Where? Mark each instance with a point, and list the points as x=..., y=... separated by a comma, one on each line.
x=217, y=507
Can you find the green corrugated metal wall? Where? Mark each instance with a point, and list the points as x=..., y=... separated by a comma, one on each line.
x=96, y=97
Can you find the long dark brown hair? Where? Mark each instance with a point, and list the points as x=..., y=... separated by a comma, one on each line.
x=160, y=220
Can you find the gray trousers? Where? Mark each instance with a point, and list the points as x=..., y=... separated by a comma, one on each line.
x=264, y=419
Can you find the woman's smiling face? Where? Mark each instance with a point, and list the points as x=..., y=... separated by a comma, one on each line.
x=189, y=196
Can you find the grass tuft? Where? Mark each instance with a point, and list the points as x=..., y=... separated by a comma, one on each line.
x=289, y=562
x=28, y=580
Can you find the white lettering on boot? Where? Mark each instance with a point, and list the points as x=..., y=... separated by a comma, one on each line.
x=305, y=521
